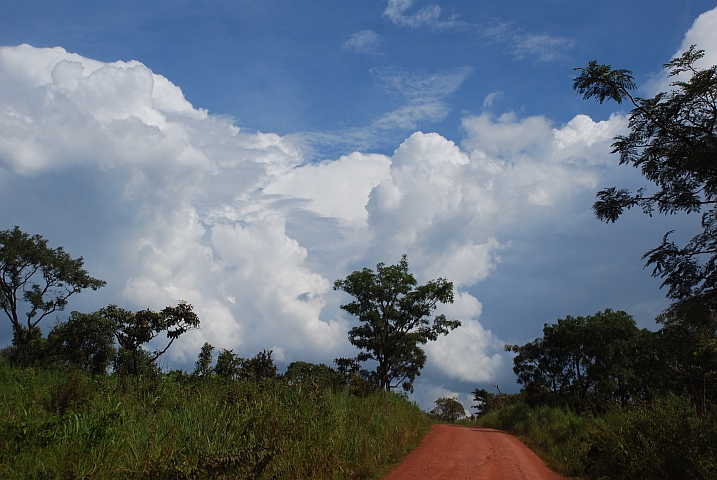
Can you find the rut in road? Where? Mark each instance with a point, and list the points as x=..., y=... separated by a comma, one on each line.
x=454, y=452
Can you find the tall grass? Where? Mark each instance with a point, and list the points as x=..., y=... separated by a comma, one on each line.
x=68, y=425
x=664, y=440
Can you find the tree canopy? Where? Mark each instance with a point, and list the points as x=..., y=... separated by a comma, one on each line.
x=85, y=340
x=673, y=141
x=587, y=361
x=448, y=409
x=134, y=329
x=39, y=278
x=394, y=313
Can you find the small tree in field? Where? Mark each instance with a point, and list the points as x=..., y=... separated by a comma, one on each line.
x=134, y=329
x=448, y=409
x=204, y=360
x=394, y=313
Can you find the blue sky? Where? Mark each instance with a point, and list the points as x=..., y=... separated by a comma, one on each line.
x=243, y=155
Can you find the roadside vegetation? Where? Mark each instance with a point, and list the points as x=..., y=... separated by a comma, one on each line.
x=602, y=399
x=667, y=439
x=65, y=423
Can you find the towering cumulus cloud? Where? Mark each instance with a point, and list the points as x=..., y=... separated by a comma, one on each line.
x=168, y=202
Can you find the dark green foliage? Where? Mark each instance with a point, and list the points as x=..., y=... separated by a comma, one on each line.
x=38, y=278
x=360, y=381
x=448, y=410
x=665, y=440
x=393, y=311
x=138, y=363
x=319, y=375
x=602, y=82
x=259, y=367
x=85, y=341
x=673, y=140
x=204, y=360
x=135, y=329
x=586, y=361
x=33, y=353
x=487, y=402
x=70, y=393
x=228, y=365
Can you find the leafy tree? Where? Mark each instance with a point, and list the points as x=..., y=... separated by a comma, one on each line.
x=587, y=361
x=485, y=401
x=393, y=311
x=233, y=367
x=259, y=367
x=134, y=362
x=38, y=277
x=204, y=360
x=673, y=140
x=319, y=376
x=228, y=365
x=86, y=341
x=448, y=409
x=134, y=329
x=359, y=381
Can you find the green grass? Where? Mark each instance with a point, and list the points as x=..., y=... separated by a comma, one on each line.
x=664, y=440
x=68, y=425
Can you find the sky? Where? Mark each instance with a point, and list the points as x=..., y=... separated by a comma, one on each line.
x=244, y=155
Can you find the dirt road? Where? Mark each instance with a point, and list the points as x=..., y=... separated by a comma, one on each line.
x=455, y=452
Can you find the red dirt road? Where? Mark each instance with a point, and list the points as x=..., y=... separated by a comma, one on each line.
x=454, y=452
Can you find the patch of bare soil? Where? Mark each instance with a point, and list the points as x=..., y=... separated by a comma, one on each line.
x=454, y=452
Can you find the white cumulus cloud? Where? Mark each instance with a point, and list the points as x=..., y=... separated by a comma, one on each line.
x=168, y=202
x=703, y=34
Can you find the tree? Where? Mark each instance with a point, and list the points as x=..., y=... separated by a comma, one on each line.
x=135, y=329
x=485, y=401
x=86, y=341
x=586, y=361
x=204, y=360
x=259, y=367
x=318, y=375
x=673, y=140
x=38, y=277
x=393, y=311
x=448, y=409
x=228, y=365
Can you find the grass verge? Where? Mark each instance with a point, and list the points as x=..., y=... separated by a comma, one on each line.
x=68, y=425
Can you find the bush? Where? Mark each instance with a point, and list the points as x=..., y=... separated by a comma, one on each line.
x=139, y=363
x=663, y=441
x=84, y=341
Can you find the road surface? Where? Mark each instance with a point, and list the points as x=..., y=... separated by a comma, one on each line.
x=454, y=452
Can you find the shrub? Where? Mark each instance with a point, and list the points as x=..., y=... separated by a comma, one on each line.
x=661, y=441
